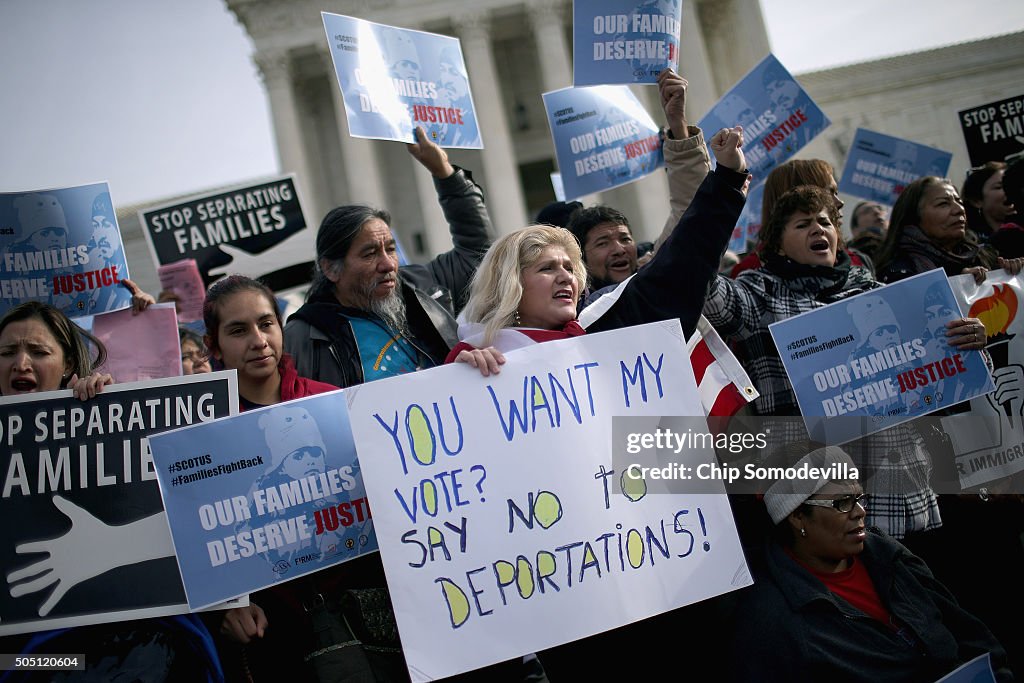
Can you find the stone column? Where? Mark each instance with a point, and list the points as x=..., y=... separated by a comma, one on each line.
x=701, y=94
x=276, y=70
x=362, y=169
x=502, y=189
x=553, y=53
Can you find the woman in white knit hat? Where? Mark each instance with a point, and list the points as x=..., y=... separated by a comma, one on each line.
x=835, y=600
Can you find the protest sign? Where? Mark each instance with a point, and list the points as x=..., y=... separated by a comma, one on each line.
x=881, y=355
x=624, y=41
x=777, y=115
x=977, y=670
x=182, y=279
x=255, y=230
x=62, y=246
x=91, y=543
x=504, y=526
x=264, y=497
x=994, y=131
x=878, y=167
x=749, y=224
x=603, y=138
x=394, y=79
x=140, y=346
x=988, y=440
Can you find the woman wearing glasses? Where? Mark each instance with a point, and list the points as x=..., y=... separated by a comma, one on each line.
x=834, y=600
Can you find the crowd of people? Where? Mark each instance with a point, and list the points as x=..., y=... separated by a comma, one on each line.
x=865, y=580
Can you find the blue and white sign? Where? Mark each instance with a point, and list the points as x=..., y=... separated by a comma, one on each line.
x=264, y=497
x=62, y=246
x=879, y=166
x=749, y=224
x=624, y=41
x=394, y=79
x=778, y=116
x=603, y=138
x=881, y=355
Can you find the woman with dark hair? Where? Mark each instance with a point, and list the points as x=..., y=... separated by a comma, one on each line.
x=195, y=359
x=928, y=230
x=835, y=600
x=988, y=208
x=41, y=349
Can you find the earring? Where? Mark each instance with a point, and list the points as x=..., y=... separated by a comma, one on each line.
x=803, y=532
x=516, y=321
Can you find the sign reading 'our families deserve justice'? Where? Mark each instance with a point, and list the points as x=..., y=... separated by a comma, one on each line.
x=62, y=246
x=503, y=526
x=395, y=79
x=264, y=497
x=879, y=166
x=90, y=544
x=777, y=115
x=624, y=41
x=603, y=138
x=882, y=355
x=256, y=230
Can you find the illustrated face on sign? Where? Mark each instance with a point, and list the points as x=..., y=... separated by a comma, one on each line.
x=783, y=94
x=936, y=317
x=736, y=110
x=453, y=82
x=403, y=55
x=304, y=462
x=48, y=238
x=104, y=239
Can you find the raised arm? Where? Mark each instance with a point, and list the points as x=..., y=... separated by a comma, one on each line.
x=462, y=202
x=674, y=284
x=686, y=157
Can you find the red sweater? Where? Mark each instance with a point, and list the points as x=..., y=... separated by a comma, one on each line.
x=293, y=386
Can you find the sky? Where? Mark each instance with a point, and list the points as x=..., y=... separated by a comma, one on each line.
x=162, y=98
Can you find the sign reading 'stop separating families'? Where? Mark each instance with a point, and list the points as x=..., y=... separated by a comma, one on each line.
x=994, y=131
x=264, y=497
x=504, y=525
x=62, y=246
x=85, y=537
x=255, y=230
x=624, y=41
x=603, y=138
x=777, y=115
x=395, y=79
x=879, y=166
x=881, y=355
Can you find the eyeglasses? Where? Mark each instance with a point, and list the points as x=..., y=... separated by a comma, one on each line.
x=843, y=504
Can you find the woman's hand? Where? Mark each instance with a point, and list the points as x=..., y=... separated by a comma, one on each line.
x=488, y=361
x=242, y=624
x=140, y=300
x=727, y=145
x=966, y=333
x=979, y=273
x=1011, y=265
x=87, y=387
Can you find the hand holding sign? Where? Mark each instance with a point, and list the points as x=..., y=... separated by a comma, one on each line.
x=89, y=548
x=433, y=158
x=672, y=88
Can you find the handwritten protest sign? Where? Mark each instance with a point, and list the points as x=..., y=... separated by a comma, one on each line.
x=91, y=543
x=62, y=246
x=879, y=166
x=394, y=79
x=182, y=278
x=778, y=116
x=603, y=138
x=994, y=131
x=988, y=440
x=255, y=230
x=624, y=41
x=264, y=497
x=881, y=355
x=142, y=346
x=504, y=528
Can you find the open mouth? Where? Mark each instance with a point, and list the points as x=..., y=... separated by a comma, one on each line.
x=820, y=246
x=24, y=385
x=564, y=295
